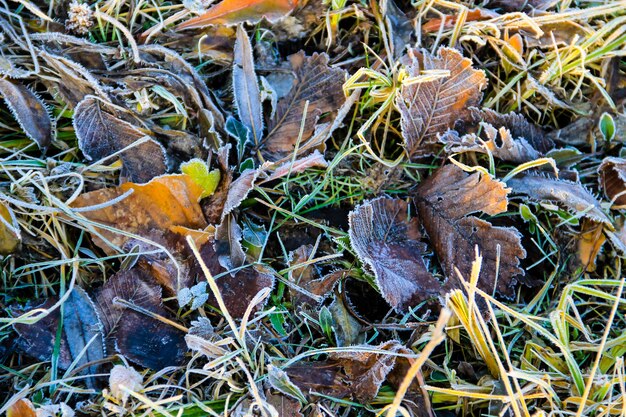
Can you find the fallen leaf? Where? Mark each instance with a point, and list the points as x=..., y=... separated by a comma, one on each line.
x=10, y=237
x=387, y=240
x=21, y=408
x=246, y=87
x=200, y=174
x=101, y=133
x=356, y=374
x=232, y=12
x=590, y=242
x=228, y=246
x=213, y=206
x=316, y=83
x=445, y=202
x=82, y=339
x=448, y=22
x=285, y=406
x=237, y=289
x=29, y=111
x=141, y=338
x=54, y=410
x=498, y=142
x=315, y=160
x=569, y=194
x=161, y=211
x=239, y=190
x=430, y=108
x=612, y=176
x=307, y=277
x=346, y=328
x=124, y=378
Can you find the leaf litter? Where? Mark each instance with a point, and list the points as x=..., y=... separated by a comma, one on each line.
x=261, y=207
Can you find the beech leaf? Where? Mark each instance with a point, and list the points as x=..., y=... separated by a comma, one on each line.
x=387, y=241
x=29, y=111
x=445, y=202
x=101, y=133
x=246, y=87
x=569, y=194
x=430, y=108
x=612, y=176
x=316, y=83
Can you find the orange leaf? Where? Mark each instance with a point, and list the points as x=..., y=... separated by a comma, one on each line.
x=21, y=408
x=232, y=12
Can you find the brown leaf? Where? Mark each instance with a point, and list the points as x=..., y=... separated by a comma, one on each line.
x=315, y=160
x=499, y=143
x=356, y=374
x=387, y=241
x=246, y=87
x=590, y=242
x=285, y=406
x=139, y=337
x=82, y=333
x=569, y=194
x=306, y=276
x=239, y=190
x=321, y=86
x=101, y=133
x=162, y=211
x=232, y=12
x=430, y=108
x=10, y=237
x=227, y=245
x=448, y=22
x=612, y=176
x=445, y=201
x=237, y=289
x=29, y=111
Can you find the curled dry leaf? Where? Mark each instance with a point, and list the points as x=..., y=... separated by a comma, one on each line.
x=122, y=378
x=430, y=108
x=612, y=176
x=356, y=374
x=82, y=338
x=306, y=276
x=387, y=240
x=316, y=83
x=161, y=211
x=315, y=160
x=284, y=405
x=569, y=194
x=445, y=202
x=29, y=111
x=10, y=237
x=233, y=12
x=101, y=133
x=239, y=190
x=142, y=339
x=246, y=87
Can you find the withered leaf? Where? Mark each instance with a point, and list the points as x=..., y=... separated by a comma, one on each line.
x=246, y=87
x=101, y=133
x=10, y=237
x=228, y=247
x=237, y=289
x=314, y=160
x=321, y=86
x=387, y=240
x=232, y=12
x=82, y=333
x=571, y=195
x=499, y=143
x=239, y=190
x=445, y=202
x=307, y=277
x=356, y=374
x=517, y=125
x=21, y=408
x=162, y=211
x=612, y=176
x=140, y=338
x=213, y=206
x=430, y=108
x=284, y=405
x=347, y=329
x=29, y=111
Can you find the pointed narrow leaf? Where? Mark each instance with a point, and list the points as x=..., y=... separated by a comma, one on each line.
x=246, y=87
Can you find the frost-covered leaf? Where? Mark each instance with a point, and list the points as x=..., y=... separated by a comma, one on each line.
x=29, y=111
x=232, y=12
x=82, y=333
x=10, y=236
x=316, y=82
x=312, y=286
x=430, y=108
x=228, y=246
x=124, y=377
x=238, y=190
x=445, y=202
x=141, y=338
x=101, y=133
x=387, y=240
x=21, y=408
x=246, y=87
x=612, y=177
x=569, y=194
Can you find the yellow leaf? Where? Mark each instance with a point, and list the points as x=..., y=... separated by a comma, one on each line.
x=9, y=231
x=200, y=174
x=21, y=408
